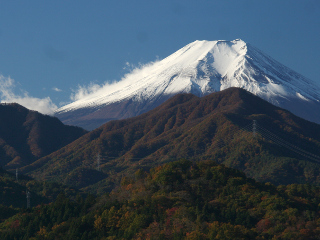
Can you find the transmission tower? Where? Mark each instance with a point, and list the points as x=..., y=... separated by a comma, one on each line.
x=254, y=128
x=98, y=162
x=28, y=199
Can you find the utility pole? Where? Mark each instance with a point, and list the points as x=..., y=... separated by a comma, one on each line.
x=17, y=174
x=254, y=128
x=28, y=198
x=98, y=162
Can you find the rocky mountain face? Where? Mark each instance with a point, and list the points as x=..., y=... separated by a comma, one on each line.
x=200, y=68
x=28, y=135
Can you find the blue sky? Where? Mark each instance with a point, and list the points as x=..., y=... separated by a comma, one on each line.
x=49, y=48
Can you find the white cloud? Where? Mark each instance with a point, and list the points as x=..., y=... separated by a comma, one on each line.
x=56, y=89
x=84, y=91
x=93, y=89
x=7, y=95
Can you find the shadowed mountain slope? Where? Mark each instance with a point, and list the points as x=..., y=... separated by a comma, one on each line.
x=217, y=126
x=26, y=136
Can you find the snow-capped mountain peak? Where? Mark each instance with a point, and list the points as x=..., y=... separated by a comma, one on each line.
x=191, y=67
x=201, y=67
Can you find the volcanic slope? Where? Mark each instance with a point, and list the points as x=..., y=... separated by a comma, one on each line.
x=217, y=126
x=200, y=68
x=26, y=135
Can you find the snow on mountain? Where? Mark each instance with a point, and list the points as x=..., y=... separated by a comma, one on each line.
x=201, y=67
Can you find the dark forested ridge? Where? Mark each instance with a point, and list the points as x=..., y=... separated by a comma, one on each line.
x=212, y=127
x=26, y=135
x=14, y=188
x=178, y=200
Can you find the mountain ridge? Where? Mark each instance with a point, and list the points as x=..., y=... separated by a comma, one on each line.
x=201, y=67
x=186, y=126
x=27, y=135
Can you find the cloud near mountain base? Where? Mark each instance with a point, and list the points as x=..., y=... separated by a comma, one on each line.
x=7, y=95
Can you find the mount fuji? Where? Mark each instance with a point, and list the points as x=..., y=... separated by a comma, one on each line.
x=200, y=68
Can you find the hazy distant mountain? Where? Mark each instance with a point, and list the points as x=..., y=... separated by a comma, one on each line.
x=27, y=135
x=200, y=68
x=186, y=126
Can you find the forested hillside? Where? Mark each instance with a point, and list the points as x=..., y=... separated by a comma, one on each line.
x=178, y=200
x=218, y=126
x=26, y=135
x=14, y=188
x=143, y=192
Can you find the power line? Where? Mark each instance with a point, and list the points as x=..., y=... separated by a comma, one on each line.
x=98, y=162
x=283, y=143
x=254, y=128
x=28, y=198
x=235, y=133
